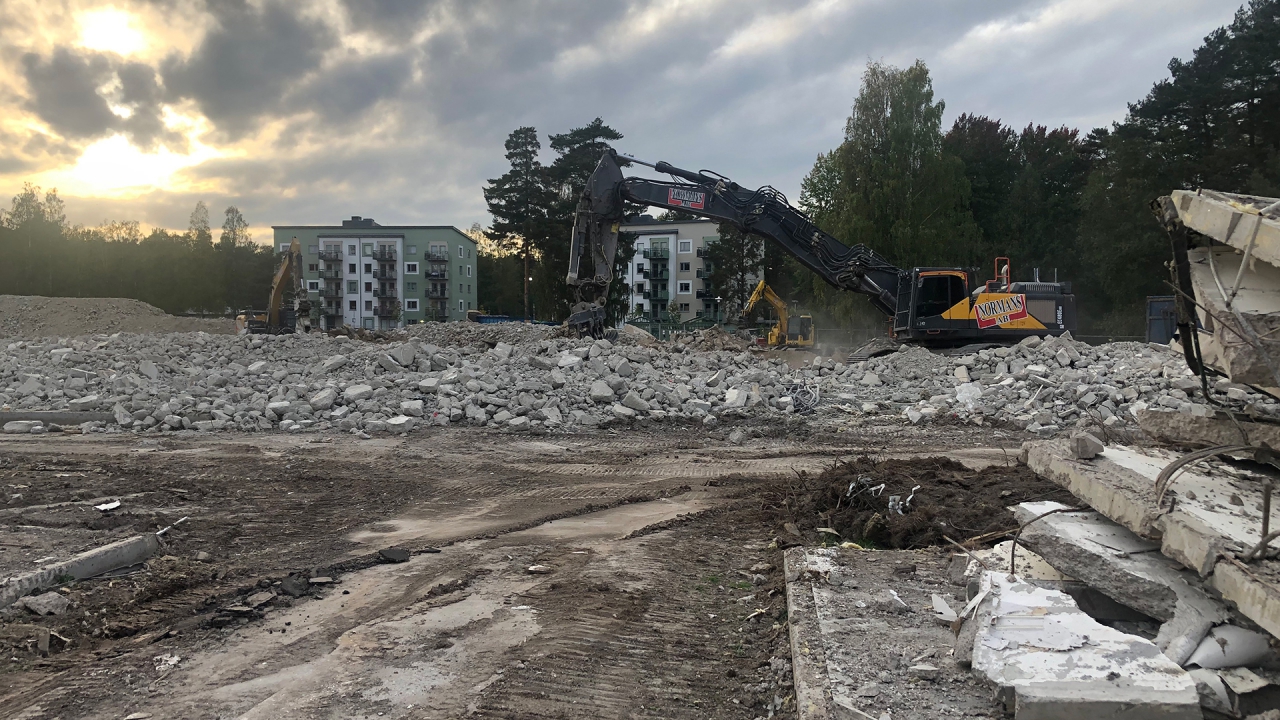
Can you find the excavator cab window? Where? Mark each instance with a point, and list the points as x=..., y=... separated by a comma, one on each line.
x=935, y=294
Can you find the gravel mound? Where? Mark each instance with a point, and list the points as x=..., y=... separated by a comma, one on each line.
x=23, y=316
x=462, y=334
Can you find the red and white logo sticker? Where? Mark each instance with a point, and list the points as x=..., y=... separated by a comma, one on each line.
x=1001, y=310
x=692, y=199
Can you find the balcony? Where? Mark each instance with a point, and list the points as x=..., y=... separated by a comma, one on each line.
x=437, y=257
x=702, y=294
x=385, y=293
x=657, y=253
x=385, y=254
x=334, y=255
x=330, y=274
x=440, y=294
x=384, y=274
x=438, y=272
x=701, y=251
x=437, y=314
x=331, y=291
x=658, y=295
x=657, y=274
x=384, y=311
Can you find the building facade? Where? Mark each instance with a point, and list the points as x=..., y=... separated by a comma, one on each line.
x=365, y=275
x=669, y=275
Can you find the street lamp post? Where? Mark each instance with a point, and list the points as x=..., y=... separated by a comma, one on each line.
x=719, y=314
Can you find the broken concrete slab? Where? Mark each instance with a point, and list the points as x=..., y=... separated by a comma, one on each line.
x=1182, y=428
x=808, y=662
x=88, y=564
x=1126, y=568
x=394, y=555
x=50, y=603
x=1217, y=511
x=1048, y=659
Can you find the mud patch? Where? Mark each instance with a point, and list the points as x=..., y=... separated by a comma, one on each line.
x=908, y=503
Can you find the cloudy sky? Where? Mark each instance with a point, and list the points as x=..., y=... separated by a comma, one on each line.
x=307, y=111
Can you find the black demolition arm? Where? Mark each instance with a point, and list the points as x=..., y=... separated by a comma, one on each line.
x=764, y=212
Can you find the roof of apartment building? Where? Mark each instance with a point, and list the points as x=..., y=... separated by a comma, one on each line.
x=637, y=220
x=364, y=223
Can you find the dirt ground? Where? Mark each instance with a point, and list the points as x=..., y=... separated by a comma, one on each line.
x=24, y=316
x=658, y=593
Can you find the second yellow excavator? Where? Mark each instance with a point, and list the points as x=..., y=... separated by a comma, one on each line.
x=788, y=331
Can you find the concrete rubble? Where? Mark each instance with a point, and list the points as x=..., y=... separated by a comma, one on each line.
x=525, y=378
x=1048, y=659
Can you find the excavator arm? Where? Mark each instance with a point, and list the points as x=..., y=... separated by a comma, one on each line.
x=766, y=293
x=289, y=274
x=764, y=212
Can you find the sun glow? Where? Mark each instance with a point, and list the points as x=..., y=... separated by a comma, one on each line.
x=110, y=30
x=114, y=167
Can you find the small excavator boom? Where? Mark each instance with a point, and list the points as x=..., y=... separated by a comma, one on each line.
x=288, y=277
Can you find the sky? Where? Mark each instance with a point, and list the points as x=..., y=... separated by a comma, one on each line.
x=309, y=111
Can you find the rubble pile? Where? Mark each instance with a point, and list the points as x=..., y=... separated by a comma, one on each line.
x=522, y=377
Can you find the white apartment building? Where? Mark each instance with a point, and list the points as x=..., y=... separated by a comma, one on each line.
x=669, y=267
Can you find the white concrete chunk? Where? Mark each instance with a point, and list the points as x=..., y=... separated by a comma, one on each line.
x=1050, y=661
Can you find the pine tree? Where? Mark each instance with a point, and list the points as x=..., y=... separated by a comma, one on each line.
x=518, y=202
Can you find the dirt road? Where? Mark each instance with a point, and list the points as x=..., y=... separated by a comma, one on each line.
x=657, y=591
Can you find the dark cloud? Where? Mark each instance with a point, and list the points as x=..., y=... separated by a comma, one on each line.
x=242, y=68
x=64, y=92
x=352, y=87
x=394, y=19
x=140, y=91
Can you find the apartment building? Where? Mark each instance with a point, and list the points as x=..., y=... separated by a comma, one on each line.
x=669, y=268
x=365, y=275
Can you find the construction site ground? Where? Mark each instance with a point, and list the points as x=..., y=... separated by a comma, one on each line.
x=660, y=594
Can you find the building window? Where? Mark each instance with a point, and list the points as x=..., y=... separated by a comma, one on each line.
x=313, y=249
x=684, y=307
x=685, y=287
x=411, y=250
x=460, y=306
x=410, y=304
x=367, y=250
x=351, y=268
x=468, y=304
x=368, y=323
x=284, y=248
x=686, y=246
x=368, y=287
x=312, y=267
x=684, y=267
x=468, y=271
x=411, y=286
x=351, y=305
x=368, y=305
x=353, y=287
x=351, y=249
x=313, y=285
x=459, y=288
x=639, y=287
x=468, y=252
x=639, y=307
x=368, y=268
x=411, y=268
x=459, y=255
x=468, y=288
x=639, y=267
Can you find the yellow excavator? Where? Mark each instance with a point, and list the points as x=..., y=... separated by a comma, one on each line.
x=789, y=331
x=277, y=319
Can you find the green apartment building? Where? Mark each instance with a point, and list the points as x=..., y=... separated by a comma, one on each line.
x=362, y=274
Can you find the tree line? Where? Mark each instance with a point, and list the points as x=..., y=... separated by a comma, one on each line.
x=42, y=254
x=1075, y=207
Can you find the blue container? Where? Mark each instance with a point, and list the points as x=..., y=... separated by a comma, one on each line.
x=1162, y=319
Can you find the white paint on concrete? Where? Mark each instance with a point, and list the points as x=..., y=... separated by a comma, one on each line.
x=1051, y=661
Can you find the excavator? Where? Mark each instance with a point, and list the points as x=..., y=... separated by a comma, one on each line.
x=277, y=319
x=788, y=331
x=932, y=306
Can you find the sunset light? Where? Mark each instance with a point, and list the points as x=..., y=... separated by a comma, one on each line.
x=110, y=30
x=113, y=166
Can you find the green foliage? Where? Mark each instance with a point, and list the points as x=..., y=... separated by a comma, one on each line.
x=41, y=255
x=532, y=206
x=735, y=258
x=501, y=290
